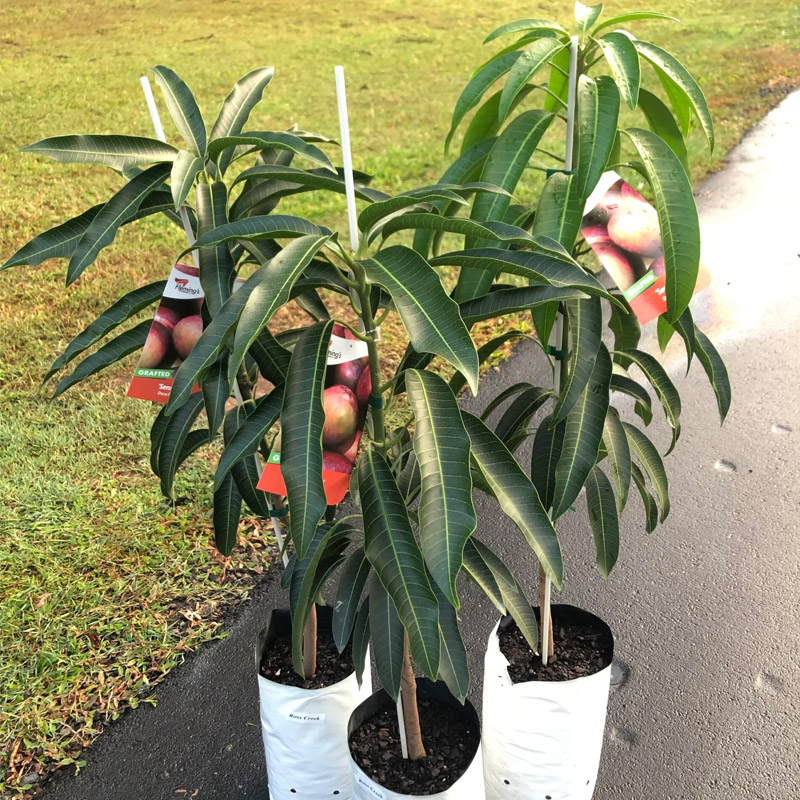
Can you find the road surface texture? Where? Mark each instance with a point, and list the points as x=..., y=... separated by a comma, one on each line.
x=706, y=611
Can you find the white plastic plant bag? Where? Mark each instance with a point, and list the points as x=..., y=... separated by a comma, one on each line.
x=542, y=739
x=305, y=730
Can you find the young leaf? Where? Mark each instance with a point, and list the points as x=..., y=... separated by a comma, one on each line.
x=603, y=519
x=430, y=316
x=396, y=558
x=302, y=418
x=532, y=59
x=117, y=152
x=623, y=59
x=352, y=579
x=183, y=109
x=677, y=217
x=663, y=124
x=227, y=512
x=598, y=112
x=516, y=494
x=388, y=637
x=715, y=370
x=446, y=514
x=586, y=16
x=648, y=457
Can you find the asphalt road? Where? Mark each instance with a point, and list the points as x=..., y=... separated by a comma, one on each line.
x=705, y=611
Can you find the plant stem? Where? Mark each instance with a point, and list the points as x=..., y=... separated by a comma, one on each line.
x=310, y=644
x=408, y=693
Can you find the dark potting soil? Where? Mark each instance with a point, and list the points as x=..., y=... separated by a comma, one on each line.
x=332, y=666
x=450, y=741
x=580, y=649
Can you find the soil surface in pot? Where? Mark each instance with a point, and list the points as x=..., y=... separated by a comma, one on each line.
x=580, y=649
x=450, y=740
x=332, y=666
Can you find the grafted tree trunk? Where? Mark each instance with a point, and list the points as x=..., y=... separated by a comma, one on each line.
x=310, y=644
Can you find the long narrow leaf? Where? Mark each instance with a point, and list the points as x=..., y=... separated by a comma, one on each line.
x=623, y=59
x=603, y=519
x=183, y=109
x=388, y=636
x=598, y=112
x=352, y=580
x=715, y=370
x=112, y=151
x=648, y=457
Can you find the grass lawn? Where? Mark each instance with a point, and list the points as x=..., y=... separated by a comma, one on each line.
x=103, y=585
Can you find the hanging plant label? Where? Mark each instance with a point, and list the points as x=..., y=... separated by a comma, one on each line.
x=622, y=229
x=348, y=381
x=176, y=327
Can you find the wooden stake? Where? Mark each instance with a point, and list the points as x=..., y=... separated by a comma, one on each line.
x=408, y=695
x=310, y=644
x=545, y=626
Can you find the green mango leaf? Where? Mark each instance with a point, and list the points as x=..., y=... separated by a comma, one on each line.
x=114, y=151
x=602, y=508
x=585, y=324
x=352, y=580
x=271, y=356
x=458, y=381
x=558, y=83
x=216, y=391
x=547, y=445
x=110, y=353
x=521, y=25
x=598, y=113
x=559, y=212
x=648, y=457
x=262, y=140
x=397, y=560
x=583, y=435
x=620, y=19
x=388, y=208
x=619, y=455
x=477, y=569
x=665, y=333
x=227, y=513
x=519, y=412
x=453, y=665
x=685, y=328
x=514, y=599
x=172, y=442
x=236, y=108
x=533, y=58
x=501, y=397
x=664, y=388
x=103, y=228
x=111, y=318
x=625, y=327
x=271, y=293
x=681, y=79
x=623, y=58
x=649, y=502
x=302, y=419
x=156, y=435
x=361, y=637
x=185, y=168
x=677, y=218
x=217, y=267
x=431, y=318
x=486, y=123
x=388, y=637
x=626, y=385
x=494, y=231
x=500, y=302
x=477, y=86
x=586, y=16
x=247, y=438
x=716, y=371
x=663, y=124
x=516, y=494
x=183, y=109
x=446, y=514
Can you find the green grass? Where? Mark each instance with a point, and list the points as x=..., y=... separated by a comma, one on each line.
x=103, y=585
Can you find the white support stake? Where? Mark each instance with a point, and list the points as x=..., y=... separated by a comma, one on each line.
x=349, y=183
x=559, y=329
x=187, y=227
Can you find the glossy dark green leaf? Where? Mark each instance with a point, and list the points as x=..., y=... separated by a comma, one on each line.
x=532, y=59
x=477, y=569
x=586, y=16
x=271, y=293
x=236, y=108
x=352, y=579
x=602, y=508
x=716, y=371
x=685, y=328
x=227, y=513
x=110, y=353
x=492, y=231
x=442, y=448
x=626, y=385
x=547, y=445
x=279, y=140
x=217, y=268
x=516, y=494
x=583, y=435
x=103, y=228
x=185, y=169
x=183, y=109
x=172, y=440
x=486, y=123
x=503, y=396
x=519, y=412
x=431, y=318
x=361, y=637
x=623, y=59
x=598, y=112
x=663, y=124
x=388, y=637
x=619, y=455
x=216, y=391
x=113, y=151
x=625, y=327
x=485, y=351
x=677, y=218
x=585, y=325
x=680, y=76
x=681, y=105
x=521, y=26
x=544, y=318
x=271, y=356
x=397, y=560
x=559, y=211
x=648, y=457
x=558, y=82
x=631, y=16
x=649, y=502
x=453, y=665
x=112, y=317
x=302, y=419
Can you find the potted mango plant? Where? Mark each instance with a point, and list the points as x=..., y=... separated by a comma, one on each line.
x=544, y=701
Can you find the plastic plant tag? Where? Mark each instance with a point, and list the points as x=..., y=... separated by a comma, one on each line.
x=176, y=327
x=346, y=398
x=622, y=229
